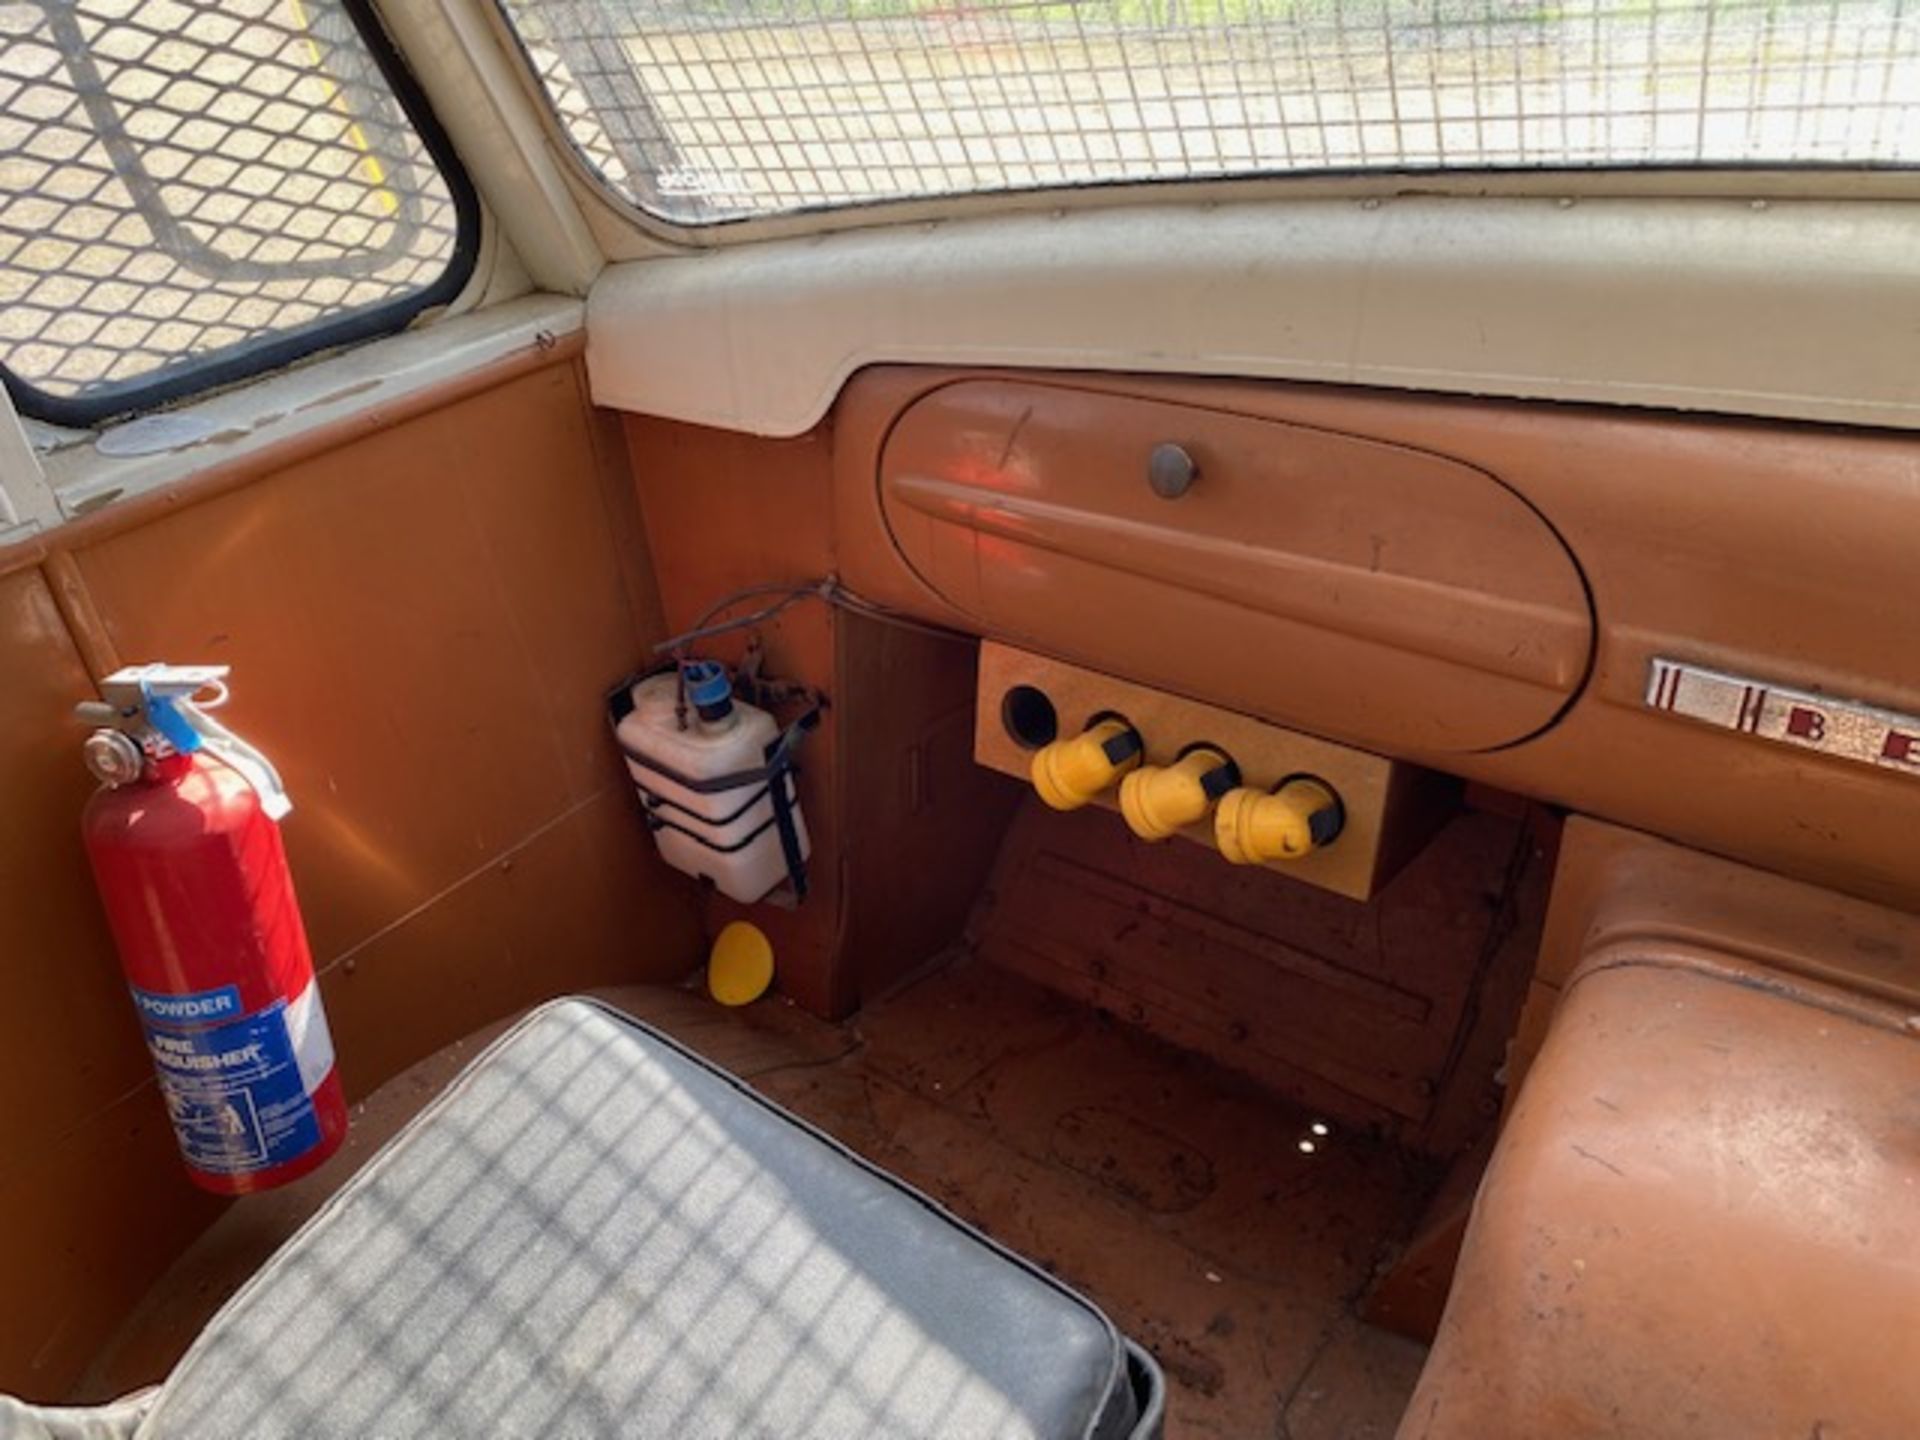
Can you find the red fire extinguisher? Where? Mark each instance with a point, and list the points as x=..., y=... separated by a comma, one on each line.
x=185, y=845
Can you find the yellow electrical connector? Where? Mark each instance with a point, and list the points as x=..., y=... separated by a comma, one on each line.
x=1160, y=799
x=1069, y=773
x=1301, y=816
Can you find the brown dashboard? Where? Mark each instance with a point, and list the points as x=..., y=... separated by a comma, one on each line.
x=1483, y=587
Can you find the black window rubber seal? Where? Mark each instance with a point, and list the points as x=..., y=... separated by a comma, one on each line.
x=181, y=378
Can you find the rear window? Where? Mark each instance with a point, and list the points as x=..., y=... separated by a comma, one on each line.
x=196, y=190
x=704, y=110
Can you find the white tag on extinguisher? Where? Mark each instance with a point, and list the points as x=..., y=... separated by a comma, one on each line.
x=312, y=1041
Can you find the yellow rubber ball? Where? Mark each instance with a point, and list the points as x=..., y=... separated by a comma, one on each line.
x=740, y=965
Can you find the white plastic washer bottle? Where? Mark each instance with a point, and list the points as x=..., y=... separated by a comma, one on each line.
x=729, y=835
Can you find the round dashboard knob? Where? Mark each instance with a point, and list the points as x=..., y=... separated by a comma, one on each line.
x=1171, y=471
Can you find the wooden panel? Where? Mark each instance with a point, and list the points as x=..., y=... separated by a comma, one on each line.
x=1390, y=808
x=1417, y=602
x=923, y=821
x=1371, y=1013
x=422, y=623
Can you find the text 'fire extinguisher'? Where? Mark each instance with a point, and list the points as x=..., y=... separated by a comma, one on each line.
x=185, y=847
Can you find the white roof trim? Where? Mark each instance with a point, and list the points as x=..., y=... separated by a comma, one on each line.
x=89, y=469
x=1796, y=309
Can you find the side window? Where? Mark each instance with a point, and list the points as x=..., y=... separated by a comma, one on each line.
x=193, y=191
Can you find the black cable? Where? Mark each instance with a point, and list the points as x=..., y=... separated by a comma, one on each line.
x=828, y=589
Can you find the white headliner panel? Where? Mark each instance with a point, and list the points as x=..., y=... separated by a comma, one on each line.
x=1795, y=309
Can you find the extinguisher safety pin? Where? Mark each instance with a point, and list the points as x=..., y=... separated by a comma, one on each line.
x=171, y=702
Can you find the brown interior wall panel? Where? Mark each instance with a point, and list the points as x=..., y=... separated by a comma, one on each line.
x=904, y=827
x=63, y=990
x=422, y=621
x=92, y=1197
x=724, y=512
x=1781, y=553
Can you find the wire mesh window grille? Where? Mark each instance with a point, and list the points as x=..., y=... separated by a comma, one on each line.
x=703, y=110
x=193, y=190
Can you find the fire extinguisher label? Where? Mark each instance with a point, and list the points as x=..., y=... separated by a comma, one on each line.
x=234, y=1087
x=198, y=1008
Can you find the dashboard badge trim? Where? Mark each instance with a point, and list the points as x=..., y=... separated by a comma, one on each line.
x=1826, y=724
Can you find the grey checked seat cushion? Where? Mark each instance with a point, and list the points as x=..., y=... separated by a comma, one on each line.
x=594, y=1233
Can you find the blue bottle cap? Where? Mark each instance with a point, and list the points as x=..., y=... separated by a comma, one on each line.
x=707, y=683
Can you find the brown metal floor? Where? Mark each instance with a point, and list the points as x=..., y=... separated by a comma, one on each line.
x=1179, y=1196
